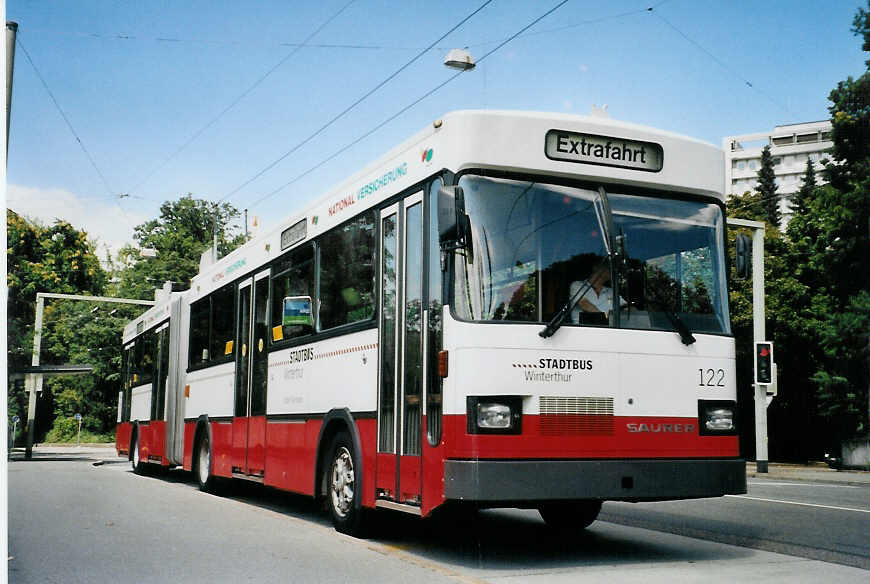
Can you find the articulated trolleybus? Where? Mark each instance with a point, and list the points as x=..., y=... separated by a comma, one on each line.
x=508, y=310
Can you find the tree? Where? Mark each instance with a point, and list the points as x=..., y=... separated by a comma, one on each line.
x=182, y=232
x=766, y=188
x=790, y=324
x=57, y=258
x=831, y=244
x=808, y=185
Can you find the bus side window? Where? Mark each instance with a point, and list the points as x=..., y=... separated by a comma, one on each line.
x=293, y=276
x=144, y=358
x=199, y=317
x=347, y=273
x=222, y=323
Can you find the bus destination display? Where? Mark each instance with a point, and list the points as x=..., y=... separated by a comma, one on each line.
x=603, y=150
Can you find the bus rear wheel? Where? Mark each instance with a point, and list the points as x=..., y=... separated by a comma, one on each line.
x=135, y=457
x=573, y=515
x=344, y=487
x=207, y=481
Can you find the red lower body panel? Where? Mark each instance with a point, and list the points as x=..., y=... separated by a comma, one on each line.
x=290, y=455
x=627, y=437
x=152, y=440
x=122, y=438
x=221, y=449
x=290, y=449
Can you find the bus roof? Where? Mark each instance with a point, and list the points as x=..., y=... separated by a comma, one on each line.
x=509, y=141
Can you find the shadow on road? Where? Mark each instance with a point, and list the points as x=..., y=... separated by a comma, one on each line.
x=489, y=539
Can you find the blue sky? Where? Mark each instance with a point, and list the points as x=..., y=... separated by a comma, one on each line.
x=137, y=80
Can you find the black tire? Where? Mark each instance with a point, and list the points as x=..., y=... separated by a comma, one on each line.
x=344, y=488
x=202, y=465
x=570, y=516
x=136, y=461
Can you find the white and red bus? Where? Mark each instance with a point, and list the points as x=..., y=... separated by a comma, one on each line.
x=508, y=310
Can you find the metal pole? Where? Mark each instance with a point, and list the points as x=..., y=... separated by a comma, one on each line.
x=11, y=33
x=758, y=333
x=35, y=379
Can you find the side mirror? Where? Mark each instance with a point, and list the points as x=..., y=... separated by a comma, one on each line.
x=743, y=255
x=297, y=311
x=452, y=221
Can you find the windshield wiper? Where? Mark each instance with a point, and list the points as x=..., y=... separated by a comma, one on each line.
x=563, y=312
x=685, y=334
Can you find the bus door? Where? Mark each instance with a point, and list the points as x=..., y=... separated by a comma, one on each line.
x=401, y=380
x=161, y=373
x=249, y=419
x=158, y=392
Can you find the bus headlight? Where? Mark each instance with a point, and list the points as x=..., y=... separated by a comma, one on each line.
x=492, y=416
x=501, y=414
x=717, y=417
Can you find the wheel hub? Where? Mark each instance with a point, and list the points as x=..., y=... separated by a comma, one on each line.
x=342, y=482
x=203, y=463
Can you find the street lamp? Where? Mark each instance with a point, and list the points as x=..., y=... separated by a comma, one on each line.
x=459, y=59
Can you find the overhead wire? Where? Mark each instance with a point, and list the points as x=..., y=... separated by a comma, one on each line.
x=715, y=59
x=69, y=125
x=344, y=112
x=404, y=109
x=238, y=99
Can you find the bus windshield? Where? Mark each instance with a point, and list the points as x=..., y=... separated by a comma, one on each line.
x=533, y=247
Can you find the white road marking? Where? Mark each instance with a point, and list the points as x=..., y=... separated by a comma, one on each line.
x=774, y=484
x=801, y=504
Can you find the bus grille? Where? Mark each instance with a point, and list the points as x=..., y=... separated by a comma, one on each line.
x=567, y=416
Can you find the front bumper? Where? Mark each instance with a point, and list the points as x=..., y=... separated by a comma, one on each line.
x=517, y=481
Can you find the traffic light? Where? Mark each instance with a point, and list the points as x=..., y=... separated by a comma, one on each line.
x=764, y=363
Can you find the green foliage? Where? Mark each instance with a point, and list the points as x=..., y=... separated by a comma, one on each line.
x=766, y=189
x=793, y=326
x=182, y=232
x=843, y=381
x=830, y=248
x=58, y=259
x=808, y=185
x=66, y=430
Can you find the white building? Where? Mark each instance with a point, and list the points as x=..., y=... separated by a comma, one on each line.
x=790, y=147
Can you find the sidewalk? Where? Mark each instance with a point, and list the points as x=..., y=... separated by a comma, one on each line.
x=816, y=472
x=67, y=452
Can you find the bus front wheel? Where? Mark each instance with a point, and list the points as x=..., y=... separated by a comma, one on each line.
x=570, y=515
x=344, y=487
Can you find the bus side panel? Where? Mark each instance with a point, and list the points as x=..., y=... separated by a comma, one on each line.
x=221, y=449
x=122, y=438
x=289, y=456
x=368, y=432
x=143, y=432
x=189, y=434
x=153, y=441
x=433, y=473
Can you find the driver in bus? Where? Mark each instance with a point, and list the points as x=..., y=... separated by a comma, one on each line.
x=597, y=296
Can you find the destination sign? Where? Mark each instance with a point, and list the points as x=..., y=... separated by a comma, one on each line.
x=293, y=234
x=603, y=150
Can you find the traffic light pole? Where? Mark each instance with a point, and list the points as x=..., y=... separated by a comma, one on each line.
x=758, y=334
